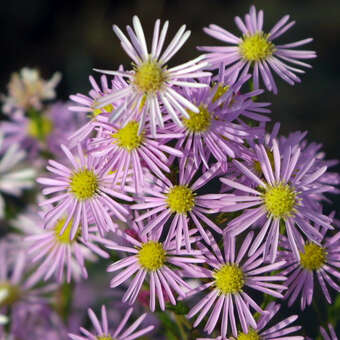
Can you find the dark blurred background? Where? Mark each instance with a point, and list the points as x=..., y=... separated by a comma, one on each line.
x=75, y=36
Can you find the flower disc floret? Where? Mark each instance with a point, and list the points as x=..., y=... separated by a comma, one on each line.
x=149, y=77
x=313, y=257
x=104, y=337
x=181, y=199
x=251, y=335
x=229, y=279
x=280, y=200
x=107, y=108
x=152, y=255
x=40, y=128
x=256, y=47
x=128, y=137
x=9, y=293
x=66, y=236
x=84, y=184
x=198, y=122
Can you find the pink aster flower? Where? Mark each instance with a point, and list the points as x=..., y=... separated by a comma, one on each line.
x=256, y=49
x=83, y=193
x=151, y=83
x=282, y=193
x=128, y=152
x=102, y=331
x=317, y=260
x=214, y=131
x=228, y=278
x=151, y=258
x=57, y=254
x=87, y=104
x=180, y=204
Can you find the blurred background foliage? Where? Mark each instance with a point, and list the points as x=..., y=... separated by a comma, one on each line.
x=74, y=36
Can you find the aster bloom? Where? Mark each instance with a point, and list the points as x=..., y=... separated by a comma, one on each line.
x=153, y=259
x=319, y=261
x=276, y=332
x=27, y=90
x=180, y=204
x=331, y=336
x=256, y=49
x=44, y=130
x=126, y=151
x=57, y=254
x=83, y=193
x=14, y=177
x=281, y=194
x=87, y=104
x=102, y=331
x=15, y=288
x=214, y=130
x=229, y=279
x=151, y=83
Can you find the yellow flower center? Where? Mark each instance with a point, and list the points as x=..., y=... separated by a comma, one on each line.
x=149, y=77
x=280, y=200
x=108, y=108
x=198, y=122
x=313, y=257
x=256, y=47
x=84, y=184
x=251, y=335
x=40, y=128
x=229, y=279
x=104, y=337
x=221, y=90
x=127, y=137
x=181, y=199
x=66, y=236
x=9, y=293
x=152, y=255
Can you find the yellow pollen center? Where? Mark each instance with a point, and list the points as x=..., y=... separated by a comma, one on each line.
x=152, y=255
x=66, y=236
x=40, y=128
x=104, y=337
x=9, y=293
x=313, y=257
x=198, y=122
x=149, y=77
x=221, y=90
x=128, y=137
x=251, y=335
x=280, y=200
x=229, y=279
x=256, y=47
x=84, y=184
x=180, y=199
x=108, y=108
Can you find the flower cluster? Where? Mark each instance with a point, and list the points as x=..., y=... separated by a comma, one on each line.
x=176, y=177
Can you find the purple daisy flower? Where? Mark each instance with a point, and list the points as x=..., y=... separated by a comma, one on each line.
x=282, y=194
x=229, y=278
x=55, y=253
x=151, y=83
x=45, y=130
x=316, y=260
x=279, y=331
x=180, y=204
x=102, y=331
x=83, y=193
x=87, y=104
x=257, y=49
x=151, y=257
x=126, y=151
